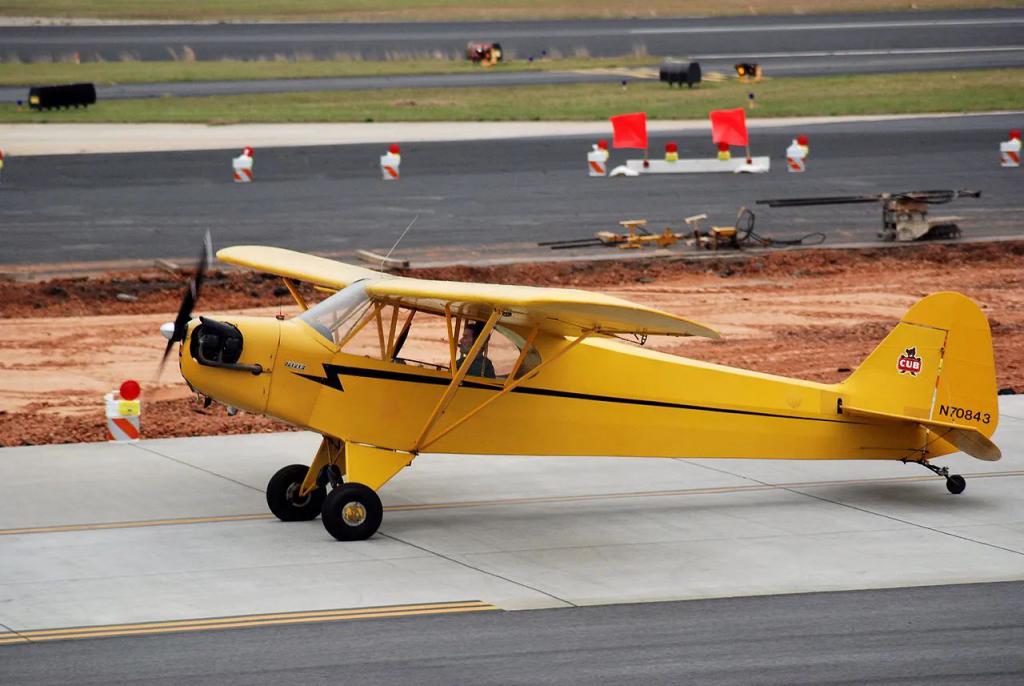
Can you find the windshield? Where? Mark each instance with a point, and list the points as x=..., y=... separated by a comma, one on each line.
x=334, y=317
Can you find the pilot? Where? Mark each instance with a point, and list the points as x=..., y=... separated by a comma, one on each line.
x=481, y=365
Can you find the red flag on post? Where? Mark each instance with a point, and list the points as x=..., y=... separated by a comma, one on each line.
x=630, y=130
x=729, y=126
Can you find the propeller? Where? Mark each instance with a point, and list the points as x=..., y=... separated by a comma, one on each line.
x=188, y=301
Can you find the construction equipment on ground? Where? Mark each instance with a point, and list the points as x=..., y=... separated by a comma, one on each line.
x=678, y=72
x=636, y=237
x=904, y=215
x=487, y=54
x=739, y=235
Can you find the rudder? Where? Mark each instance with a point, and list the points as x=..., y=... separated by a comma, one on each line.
x=936, y=364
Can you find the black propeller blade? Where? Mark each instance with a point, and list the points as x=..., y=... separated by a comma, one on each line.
x=188, y=302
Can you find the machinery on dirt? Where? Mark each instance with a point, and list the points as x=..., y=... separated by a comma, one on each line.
x=487, y=54
x=738, y=236
x=904, y=215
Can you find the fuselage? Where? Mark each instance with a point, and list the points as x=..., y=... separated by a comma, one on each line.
x=603, y=397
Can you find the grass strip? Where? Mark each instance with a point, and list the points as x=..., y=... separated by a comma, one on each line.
x=961, y=91
x=447, y=10
x=282, y=67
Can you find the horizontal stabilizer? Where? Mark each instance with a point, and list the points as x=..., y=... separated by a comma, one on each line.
x=966, y=438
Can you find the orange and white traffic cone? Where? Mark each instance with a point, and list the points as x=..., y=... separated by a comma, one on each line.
x=795, y=157
x=1009, y=151
x=242, y=166
x=389, y=163
x=123, y=412
x=597, y=159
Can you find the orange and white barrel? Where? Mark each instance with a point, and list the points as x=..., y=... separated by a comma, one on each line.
x=122, y=417
x=795, y=158
x=1009, y=153
x=242, y=167
x=597, y=162
x=389, y=164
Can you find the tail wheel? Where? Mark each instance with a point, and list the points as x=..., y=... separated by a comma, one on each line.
x=283, y=495
x=352, y=512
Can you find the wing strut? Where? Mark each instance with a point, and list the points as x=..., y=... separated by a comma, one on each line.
x=459, y=375
x=510, y=384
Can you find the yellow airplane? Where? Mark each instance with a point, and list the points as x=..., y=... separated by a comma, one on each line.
x=386, y=368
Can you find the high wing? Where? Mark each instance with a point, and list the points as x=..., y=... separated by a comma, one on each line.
x=297, y=266
x=556, y=310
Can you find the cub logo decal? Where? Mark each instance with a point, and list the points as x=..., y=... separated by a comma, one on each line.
x=909, y=362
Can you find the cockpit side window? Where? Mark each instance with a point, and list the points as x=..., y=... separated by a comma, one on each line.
x=405, y=336
x=334, y=317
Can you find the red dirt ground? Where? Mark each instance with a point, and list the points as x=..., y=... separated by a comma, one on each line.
x=812, y=314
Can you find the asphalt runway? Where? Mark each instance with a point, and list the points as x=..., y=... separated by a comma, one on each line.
x=952, y=31
x=805, y=63
x=967, y=634
x=783, y=46
x=484, y=199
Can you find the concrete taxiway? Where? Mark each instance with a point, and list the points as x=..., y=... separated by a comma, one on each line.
x=177, y=530
x=470, y=196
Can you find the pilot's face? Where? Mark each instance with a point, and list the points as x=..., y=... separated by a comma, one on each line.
x=466, y=340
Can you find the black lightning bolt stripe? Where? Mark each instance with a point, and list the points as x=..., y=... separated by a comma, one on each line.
x=334, y=372
x=332, y=380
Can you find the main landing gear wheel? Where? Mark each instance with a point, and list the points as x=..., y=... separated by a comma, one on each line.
x=352, y=512
x=283, y=495
x=956, y=484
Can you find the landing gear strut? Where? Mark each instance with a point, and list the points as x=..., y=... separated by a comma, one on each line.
x=955, y=483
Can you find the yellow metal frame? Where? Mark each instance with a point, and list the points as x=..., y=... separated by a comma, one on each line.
x=331, y=451
x=290, y=285
x=463, y=369
x=510, y=385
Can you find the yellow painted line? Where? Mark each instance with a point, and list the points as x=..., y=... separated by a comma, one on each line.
x=246, y=621
x=681, y=492
x=714, y=490
x=134, y=524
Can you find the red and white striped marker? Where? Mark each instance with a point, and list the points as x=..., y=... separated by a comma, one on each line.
x=1009, y=151
x=242, y=166
x=123, y=412
x=389, y=163
x=795, y=157
x=597, y=159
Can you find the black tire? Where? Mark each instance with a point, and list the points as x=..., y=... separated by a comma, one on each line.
x=956, y=484
x=352, y=512
x=282, y=495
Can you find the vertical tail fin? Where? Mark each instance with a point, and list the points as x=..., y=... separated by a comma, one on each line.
x=936, y=365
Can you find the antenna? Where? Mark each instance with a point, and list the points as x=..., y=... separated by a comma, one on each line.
x=385, y=258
